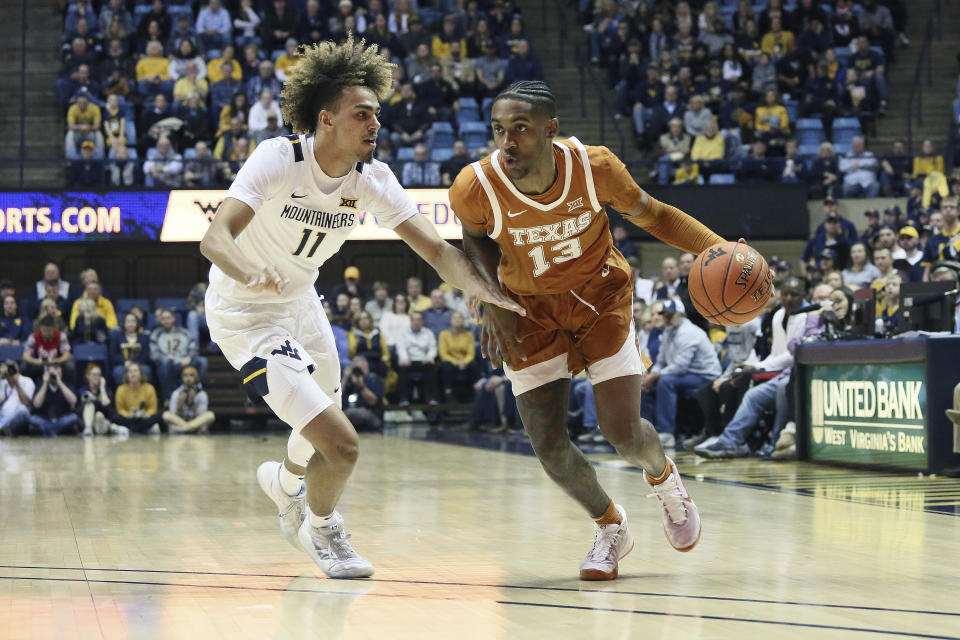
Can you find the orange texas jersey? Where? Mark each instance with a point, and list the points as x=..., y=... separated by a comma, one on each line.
x=557, y=240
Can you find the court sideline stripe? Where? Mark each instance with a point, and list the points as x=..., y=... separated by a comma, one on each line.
x=481, y=585
x=905, y=634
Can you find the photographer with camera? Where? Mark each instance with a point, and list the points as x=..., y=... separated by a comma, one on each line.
x=363, y=396
x=96, y=406
x=129, y=344
x=16, y=392
x=53, y=405
x=188, y=406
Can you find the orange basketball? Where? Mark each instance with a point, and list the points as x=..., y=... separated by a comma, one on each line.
x=730, y=283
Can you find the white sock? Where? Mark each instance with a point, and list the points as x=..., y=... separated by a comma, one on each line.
x=321, y=521
x=290, y=483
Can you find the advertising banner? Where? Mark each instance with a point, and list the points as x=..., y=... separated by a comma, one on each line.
x=164, y=216
x=868, y=414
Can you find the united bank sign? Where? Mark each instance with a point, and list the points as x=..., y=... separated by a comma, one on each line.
x=868, y=414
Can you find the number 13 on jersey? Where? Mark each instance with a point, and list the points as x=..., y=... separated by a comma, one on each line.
x=560, y=252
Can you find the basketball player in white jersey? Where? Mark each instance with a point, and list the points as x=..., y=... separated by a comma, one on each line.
x=291, y=207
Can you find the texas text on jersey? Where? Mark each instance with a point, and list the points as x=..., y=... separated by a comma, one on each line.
x=566, y=225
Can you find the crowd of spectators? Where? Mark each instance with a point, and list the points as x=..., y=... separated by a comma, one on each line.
x=726, y=392
x=172, y=93
x=728, y=91
x=71, y=363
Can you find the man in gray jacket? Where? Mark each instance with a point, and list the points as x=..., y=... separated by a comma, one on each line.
x=189, y=406
x=417, y=361
x=172, y=349
x=687, y=361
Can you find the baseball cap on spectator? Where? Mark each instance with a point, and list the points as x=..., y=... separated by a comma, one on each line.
x=672, y=306
x=829, y=253
x=833, y=216
x=87, y=144
x=909, y=231
x=812, y=265
x=829, y=200
x=872, y=213
x=351, y=272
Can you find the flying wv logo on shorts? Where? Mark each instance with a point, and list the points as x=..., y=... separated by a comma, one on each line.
x=713, y=254
x=286, y=350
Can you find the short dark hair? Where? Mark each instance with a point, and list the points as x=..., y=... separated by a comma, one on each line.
x=533, y=92
x=47, y=321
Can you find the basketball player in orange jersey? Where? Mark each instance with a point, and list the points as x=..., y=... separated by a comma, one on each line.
x=533, y=218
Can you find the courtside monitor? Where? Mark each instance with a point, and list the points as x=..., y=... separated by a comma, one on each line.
x=927, y=306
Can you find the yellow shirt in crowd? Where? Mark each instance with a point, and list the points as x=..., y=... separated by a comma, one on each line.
x=104, y=308
x=456, y=348
x=129, y=400
x=148, y=67
x=91, y=115
x=214, y=73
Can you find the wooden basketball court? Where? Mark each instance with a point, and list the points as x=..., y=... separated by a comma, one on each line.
x=170, y=537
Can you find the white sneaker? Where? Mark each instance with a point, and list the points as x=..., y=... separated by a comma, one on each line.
x=292, y=508
x=330, y=549
x=668, y=440
x=611, y=542
x=681, y=519
x=87, y=431
x=154, y=429
x=118, y=430
x=101, y=426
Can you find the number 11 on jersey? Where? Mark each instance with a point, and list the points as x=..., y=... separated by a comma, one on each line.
x=305, y=238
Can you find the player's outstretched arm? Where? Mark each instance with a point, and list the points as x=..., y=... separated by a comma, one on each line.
x=498, y=336
x=671, y=225
x=219, y=247
x=450, y=263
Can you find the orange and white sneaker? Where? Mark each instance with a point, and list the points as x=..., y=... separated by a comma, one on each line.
x=611, y=543
x=681, y=520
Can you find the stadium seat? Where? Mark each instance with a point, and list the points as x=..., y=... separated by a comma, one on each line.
x=469, y=106
x=844, y=131
x=808, y=150
x=467, y=116
x=176, y=11
x=175, y=304
x=474, y=135
x=404, y=154
x=485, y=107
x=189, y=153
x=123, y=305
x=810, y=132
x=11, y=352
x=441, y=155
x=722, y=178
x=89, y=352
x=440, y=135
x=792, y=107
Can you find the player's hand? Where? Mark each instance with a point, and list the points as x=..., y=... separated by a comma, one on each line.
x=481, y=291
x=268, y=279
x=498, y=338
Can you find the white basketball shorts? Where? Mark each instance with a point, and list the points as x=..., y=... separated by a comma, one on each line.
x=285, y=352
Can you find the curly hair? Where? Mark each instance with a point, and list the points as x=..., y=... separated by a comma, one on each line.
x=324, y=70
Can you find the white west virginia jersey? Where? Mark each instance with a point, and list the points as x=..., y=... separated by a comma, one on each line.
x=302, y=216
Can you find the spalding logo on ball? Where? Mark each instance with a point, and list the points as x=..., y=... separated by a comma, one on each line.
x=730, y=283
